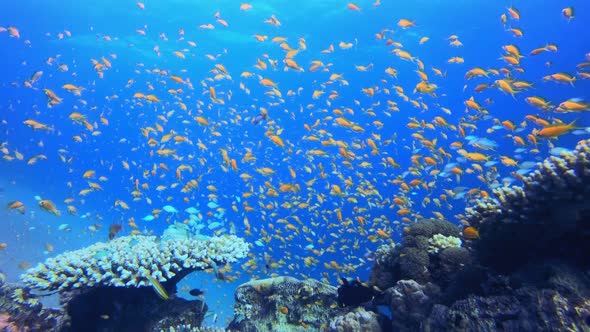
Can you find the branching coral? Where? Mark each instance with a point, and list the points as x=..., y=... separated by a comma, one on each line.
x=127, y=261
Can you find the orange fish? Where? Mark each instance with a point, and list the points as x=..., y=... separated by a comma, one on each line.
x=514, y=13
x=13, y=32
x=561, y=77
x=354, y=7
x=48, y=206
x=17, y=205
x=404, y=23
x=267, y=82
x=568, y=13
x=573, y=105
x=470, y=233
x=382, y=233
x=556, y=130
x=277, y=140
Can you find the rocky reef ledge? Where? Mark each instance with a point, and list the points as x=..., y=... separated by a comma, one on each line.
x=288, y=304
x=524, y=265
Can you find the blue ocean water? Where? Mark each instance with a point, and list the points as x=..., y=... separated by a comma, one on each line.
x=296, y=224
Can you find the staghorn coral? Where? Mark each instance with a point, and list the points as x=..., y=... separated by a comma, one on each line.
x=127, y=261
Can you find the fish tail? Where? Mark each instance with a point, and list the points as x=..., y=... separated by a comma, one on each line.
x=572, y=124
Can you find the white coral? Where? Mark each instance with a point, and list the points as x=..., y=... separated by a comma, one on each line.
x=439, y=242
x=130, y=259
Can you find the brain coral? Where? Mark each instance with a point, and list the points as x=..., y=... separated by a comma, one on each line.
x=126, y=261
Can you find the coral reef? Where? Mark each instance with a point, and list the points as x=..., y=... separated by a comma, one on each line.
x=21, y=311
x=544, y=218
x=439, y=242
x=357, y=320
x=554, y=296
x=128, y=261
x=108, y=286
x=354, y=293
x=527, y=310
x=285, y=304
x=527, y=271
x=413, y=259
x=407, y=302
x=190, y=328
x=564, y=179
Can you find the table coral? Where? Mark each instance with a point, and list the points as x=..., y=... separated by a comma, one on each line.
x=127, y=261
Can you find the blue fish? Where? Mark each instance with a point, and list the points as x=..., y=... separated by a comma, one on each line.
x=191, y=210
x=170, y=209
x=149, y=217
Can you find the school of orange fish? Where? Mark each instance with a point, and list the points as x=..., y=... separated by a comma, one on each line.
x=355, y=180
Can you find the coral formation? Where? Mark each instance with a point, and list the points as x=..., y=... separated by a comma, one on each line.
x=547, y=215
x=285, y=304
x=357, y=320
x=189, y=328
x=412, y=259
x=559, y=187
x=439, y=242
x=21, y=311
x=384, y=254
x=528, y=309
x=407, y=301
x=127, y=261
x=527, y=271
x=564, y=180
x=107, y=286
